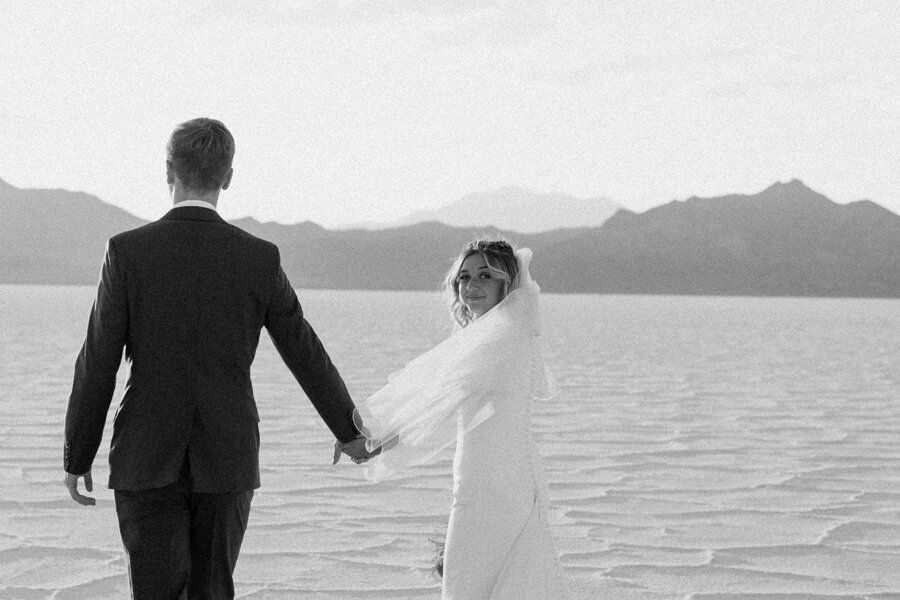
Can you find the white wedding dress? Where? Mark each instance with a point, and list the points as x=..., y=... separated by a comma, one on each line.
x=477, y=388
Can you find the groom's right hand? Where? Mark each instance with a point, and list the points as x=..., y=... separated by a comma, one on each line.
x=71, y=482
x=355, y=449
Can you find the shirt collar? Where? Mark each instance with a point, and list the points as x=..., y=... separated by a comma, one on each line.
x=197, y=203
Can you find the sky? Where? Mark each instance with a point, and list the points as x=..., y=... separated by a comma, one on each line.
x=352, y=111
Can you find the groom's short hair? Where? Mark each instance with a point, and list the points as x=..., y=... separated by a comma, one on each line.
x=201, y=151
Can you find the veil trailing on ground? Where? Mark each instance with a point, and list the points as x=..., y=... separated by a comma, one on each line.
x=454, y=386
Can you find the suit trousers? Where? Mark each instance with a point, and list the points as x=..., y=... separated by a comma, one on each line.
x=180, y=544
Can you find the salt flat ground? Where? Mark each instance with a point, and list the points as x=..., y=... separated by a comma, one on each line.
x=701, y=448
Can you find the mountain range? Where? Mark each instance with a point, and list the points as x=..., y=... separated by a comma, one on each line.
x=786, y=240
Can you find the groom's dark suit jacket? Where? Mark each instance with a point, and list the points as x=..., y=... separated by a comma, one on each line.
x=186, y=297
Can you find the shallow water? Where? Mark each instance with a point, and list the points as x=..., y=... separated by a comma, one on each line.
x=701, y=448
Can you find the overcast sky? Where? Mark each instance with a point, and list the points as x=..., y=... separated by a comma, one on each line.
x=350, y=111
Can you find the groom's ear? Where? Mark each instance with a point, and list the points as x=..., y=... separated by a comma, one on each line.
x=227, y=181
x=170, y=173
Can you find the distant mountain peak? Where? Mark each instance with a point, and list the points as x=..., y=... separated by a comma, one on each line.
x=795, y=192
x=514, y=208
x=6, y=186
x=792, y=186
x=792, y=189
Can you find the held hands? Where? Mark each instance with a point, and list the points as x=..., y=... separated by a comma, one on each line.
x=71, y=482
x=355, y=449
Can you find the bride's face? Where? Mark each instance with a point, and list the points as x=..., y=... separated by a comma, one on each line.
x=479, y=288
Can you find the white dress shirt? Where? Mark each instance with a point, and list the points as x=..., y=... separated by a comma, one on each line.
x=198, y=203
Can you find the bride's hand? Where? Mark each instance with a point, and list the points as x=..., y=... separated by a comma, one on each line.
x=355, y=449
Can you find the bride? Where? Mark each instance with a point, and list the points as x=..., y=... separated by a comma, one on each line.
x=477, y=388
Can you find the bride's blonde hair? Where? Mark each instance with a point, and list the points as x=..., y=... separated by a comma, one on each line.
x=499, y=255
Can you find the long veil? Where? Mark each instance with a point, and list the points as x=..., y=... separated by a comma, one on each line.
x=453, y=388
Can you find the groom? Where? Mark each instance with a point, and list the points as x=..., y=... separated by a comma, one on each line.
x=186, y=298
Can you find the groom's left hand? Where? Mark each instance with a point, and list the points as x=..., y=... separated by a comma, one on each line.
x=71, y=482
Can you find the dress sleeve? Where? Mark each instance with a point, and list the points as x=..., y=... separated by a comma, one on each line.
x=422, y=407
x=454, y=387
